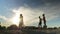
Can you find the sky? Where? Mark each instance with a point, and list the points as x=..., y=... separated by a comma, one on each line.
x=31, y=10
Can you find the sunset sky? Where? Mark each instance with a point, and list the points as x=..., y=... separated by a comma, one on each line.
x=31, y=10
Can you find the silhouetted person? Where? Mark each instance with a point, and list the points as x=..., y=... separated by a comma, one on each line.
x=21, y=21
x=40, y=22
x=44, y=19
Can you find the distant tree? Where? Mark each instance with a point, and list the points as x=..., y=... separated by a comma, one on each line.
x=59, y=27
x=50, y=28
x=12, y=27
x=2, y=27
x=55, y=27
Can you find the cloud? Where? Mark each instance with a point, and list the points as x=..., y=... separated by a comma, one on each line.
x=5, y=21
x=40, y=3
x=31, y=15
x=3, y=17
x=32, y=9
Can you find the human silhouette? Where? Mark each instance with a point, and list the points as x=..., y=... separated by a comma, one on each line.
x=44, y=19
x=40, y=22
x=21, y=21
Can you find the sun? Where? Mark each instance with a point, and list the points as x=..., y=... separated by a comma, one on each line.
x=16, y=19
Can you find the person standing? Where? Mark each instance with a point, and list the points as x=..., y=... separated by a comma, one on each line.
x=44, y=20
x=21, y=21
x=40, y=22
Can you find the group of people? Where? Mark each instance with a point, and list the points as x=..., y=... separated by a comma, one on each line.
x=42, y=19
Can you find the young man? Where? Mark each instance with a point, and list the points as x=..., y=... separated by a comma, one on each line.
x=44, y=19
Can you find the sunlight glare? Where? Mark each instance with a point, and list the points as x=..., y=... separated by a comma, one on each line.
x=16, y=19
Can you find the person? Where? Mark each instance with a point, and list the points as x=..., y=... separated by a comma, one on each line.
x=44, y=19
x=40, y=21
x=21, y=21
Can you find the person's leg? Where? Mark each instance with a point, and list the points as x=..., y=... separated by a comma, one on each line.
x=45, y=23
